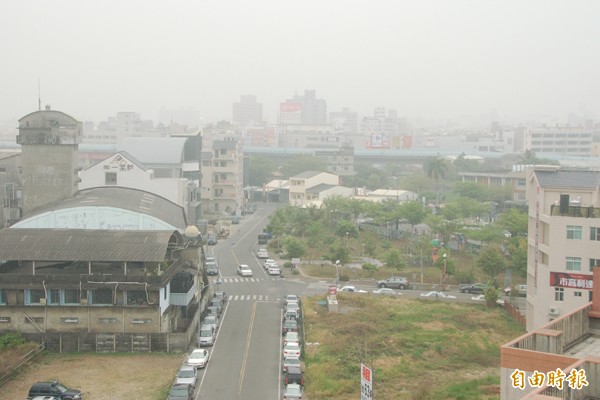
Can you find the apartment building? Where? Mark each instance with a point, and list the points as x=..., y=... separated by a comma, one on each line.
x=558, y=360
x=311, y=187
x=560, y=140
x=563, y=241
x=247, y=111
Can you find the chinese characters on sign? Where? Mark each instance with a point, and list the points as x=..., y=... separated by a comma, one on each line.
x=573, y=281
x=366, y=383
x=575, y=380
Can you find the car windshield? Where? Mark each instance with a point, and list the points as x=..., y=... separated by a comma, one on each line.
x=179, y=391
x=211, y=319
x=206, y=333
x=61, y=388
x=186, y=373
x=292, y=361
x=292, y=391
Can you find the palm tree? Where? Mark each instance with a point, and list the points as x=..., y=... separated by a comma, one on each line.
x=436, y=169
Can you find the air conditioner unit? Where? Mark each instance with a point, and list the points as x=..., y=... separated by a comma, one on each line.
x=83, y=302
x=43, y=300
x=553, y=311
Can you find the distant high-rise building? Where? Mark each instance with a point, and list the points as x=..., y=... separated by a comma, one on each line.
x=563, y=140
x=305, y=109
x=247, y=111
x=344, y=121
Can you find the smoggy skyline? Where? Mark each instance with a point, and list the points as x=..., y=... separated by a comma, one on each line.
x=425, y=59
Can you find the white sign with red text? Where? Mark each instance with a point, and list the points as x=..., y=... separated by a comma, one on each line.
x=366, y=383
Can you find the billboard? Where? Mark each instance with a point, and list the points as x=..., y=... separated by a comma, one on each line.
x=290, y=107
x=378, y=141
x=573, y=281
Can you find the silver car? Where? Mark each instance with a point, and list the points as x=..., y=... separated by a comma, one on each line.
x=187, y=375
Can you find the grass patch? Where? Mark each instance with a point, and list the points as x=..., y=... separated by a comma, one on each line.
x=417, y=349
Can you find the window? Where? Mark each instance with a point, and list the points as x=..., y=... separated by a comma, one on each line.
x=577, y=294
x=574, y=232
x=594, y=233
x=107, y=320
x=110, y=178
x=53, y=297
x=69, y=320
x=559, y=294
x=34, y=296
x=70, y=296
x=573, y=263
x=136, y=297
x=4, y=320
x=2, y=297
x=594, y=262
x=101, y=297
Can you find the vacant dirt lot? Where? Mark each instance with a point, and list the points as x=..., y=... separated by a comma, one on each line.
x=101, y=376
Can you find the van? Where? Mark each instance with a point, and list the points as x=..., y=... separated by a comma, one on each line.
x=520, y=290
x=206, y=336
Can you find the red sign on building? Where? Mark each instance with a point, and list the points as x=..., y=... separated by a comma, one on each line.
x=573, y=281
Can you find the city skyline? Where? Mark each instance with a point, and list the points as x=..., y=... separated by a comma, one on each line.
x=429, y=60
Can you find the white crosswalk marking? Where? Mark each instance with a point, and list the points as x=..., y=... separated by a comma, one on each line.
x=250, y=297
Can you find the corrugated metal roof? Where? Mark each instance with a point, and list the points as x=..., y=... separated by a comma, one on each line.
x=125, y=198
x=84, y=245
x=306, y=174
x=155, y=150
x=569, y=179
x=321, y=187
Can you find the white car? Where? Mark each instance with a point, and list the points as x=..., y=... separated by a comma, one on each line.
x=481, y=297
x=385, y=291
x=351, y=289
x=291, y=350
x=274, y=269
x=262, y=253
x=269, y=262
x=198, y=358
x=211, y=320
x=438, y=295
x=291, y=298
x=291, y=337
x=244, y=270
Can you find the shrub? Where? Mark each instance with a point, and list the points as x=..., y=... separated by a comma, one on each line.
x=10, y=340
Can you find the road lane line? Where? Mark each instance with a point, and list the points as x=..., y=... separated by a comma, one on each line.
x=243, y=368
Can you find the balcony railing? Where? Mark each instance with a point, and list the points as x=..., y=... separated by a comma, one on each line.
x=575, y=211
x=182, y=299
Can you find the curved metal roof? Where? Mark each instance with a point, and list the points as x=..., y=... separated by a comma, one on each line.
x=91, y=207
x=155, y=150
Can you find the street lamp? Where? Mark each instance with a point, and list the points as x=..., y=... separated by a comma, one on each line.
x=337, y=273
x=444, y=274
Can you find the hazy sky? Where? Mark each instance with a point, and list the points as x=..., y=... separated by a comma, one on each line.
x=421, y=57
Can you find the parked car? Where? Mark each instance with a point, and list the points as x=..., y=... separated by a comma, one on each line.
x=291, y=350
x=481, y=297
x=294, y=375
x=290, y=314
x=295, y=308
x=473, y=288
x=54, y=389
x=291, y=298
x=244, y=270
x=211, y=320
x=385, y=291
x=291, y=337
x=210, y=258
x=438, y=295
x=187, y=376
x=218, y=304
x=520, y=290
x=395, y=282
x=45, y=398
x=206, y=335
x=211, y=268
x=181, y=391
x=268, y=262
x=293, y=391
x=351, y=289
x=289, y=324
x=220, y=294
x=212, y=310
x=291, y=362
x=262, y=253
x=211, y=240
x=198, y=358
x=235, y=220
x=274, y=269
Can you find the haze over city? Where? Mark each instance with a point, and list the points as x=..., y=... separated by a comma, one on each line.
x=519, y=61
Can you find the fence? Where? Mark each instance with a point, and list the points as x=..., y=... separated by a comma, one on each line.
x=515, y=313
x=8, y=372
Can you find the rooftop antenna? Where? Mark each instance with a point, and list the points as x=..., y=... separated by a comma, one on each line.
x=39, y=96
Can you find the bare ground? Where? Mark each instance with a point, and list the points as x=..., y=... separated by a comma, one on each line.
x=100, y=376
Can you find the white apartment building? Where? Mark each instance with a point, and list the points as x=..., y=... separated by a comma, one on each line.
x=563, y=140
x=563, y=241
x=222, y=172
x=300, y=187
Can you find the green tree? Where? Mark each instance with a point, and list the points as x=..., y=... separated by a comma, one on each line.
x=514, y=221
x=436, y=168
x=491, y=261
x=260, y=170
x=303, y=163
x=471, y=190
x=294, y=247
x=393, y=259
x=370, y=245
x=491, y=294
x=517, y=247
x=413, y=212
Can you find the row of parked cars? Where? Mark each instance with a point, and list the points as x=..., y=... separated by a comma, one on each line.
x=185, y=381
x=293, y=374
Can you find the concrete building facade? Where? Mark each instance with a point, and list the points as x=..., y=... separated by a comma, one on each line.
x=560, y=140
x=563, y=241
x=49, y=141
x=300, y=185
